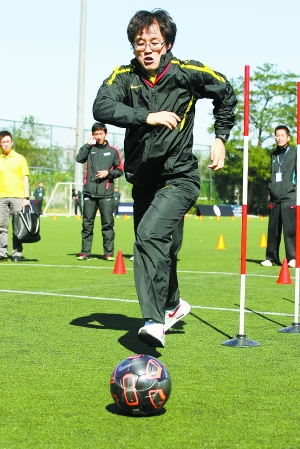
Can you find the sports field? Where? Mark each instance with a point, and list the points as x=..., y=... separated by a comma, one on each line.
x=65, y=325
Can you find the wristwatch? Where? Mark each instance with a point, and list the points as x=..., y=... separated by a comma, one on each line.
x=223, y=137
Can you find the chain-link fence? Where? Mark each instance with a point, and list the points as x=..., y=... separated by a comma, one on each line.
x=50, y=153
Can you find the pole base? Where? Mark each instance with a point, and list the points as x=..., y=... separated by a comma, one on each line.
x=294, y=328
x=241, y=341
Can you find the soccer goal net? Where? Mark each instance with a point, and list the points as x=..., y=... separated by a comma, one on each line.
x=60, y=201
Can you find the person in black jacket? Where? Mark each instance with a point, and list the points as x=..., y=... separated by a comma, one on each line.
x=282, y=189
x=154, y=98
x=117, y=197
x=39, y=194
x=77, y=198
x=103, y=165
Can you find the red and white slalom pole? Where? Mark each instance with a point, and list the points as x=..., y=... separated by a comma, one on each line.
x=294, y=328
x=241, y=340
x=245, y=200
x=296, y=317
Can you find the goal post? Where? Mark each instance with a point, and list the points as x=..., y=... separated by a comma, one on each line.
x=60, y=201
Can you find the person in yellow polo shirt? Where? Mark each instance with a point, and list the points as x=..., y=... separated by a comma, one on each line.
x=14, y=192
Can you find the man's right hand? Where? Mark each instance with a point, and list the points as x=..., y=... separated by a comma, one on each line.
x=165, y=118
x=91, y=139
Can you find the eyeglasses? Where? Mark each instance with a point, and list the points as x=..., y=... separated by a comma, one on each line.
x=155, y=46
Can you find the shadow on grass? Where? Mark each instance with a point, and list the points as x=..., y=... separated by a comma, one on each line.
x=102, y=321
x=113, y=408
x=261, y=315
x=289, y=300
x=211, y=326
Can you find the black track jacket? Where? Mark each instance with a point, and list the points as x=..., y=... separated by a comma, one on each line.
x=100, y=157
x=285, y=162
x=126, y=98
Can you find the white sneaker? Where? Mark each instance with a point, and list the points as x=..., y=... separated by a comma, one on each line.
x=292, y=263
x=176, y=314
x=131, y=258
x=267, y=263
x=152, y=334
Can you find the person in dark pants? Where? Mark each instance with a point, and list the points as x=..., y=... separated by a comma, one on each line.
x=177, y=238
x=154, y=98
x=117, y=197
x=104, y=164
x=39, y=194
x=77, y=198
x=282, y=189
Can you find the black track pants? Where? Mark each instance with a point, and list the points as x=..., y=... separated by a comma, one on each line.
x=157, y=212
x=282, y=215
x=177, y=237
x=90, y=207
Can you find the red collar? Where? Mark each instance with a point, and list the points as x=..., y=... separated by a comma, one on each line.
x=158, y=78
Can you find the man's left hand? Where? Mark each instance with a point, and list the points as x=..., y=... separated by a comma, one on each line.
x=102, y=174
x=217, y=155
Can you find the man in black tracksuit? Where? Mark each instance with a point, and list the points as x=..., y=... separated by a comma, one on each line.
x=282, y=188
x=117, y=197
x=103, y=165
x=77, y=198
x=39, y=194
x=154, y=98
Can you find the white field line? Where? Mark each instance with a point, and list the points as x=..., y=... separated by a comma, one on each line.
x=87, y=267
x=98, y=298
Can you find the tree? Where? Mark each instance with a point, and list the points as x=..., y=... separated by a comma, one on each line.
x=272, y=102
x=45, y=160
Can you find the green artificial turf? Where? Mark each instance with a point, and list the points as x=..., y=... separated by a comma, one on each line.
x=66, y=324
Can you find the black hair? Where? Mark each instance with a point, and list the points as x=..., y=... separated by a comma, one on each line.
x=5, y=133
x=144, y=19
x=98, y=125
x=282, y=127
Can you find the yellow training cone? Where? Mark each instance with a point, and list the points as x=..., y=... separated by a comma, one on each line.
x=54, y=217
x=200, y=218
x=221, y=243
x=263, y=241
x=261, y=218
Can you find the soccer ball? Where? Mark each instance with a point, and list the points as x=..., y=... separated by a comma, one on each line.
x=140, y=385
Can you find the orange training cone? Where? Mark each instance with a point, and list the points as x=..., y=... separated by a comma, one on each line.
x=284, y=276
x=263, y=241
x=119, y=265
x=221, y=243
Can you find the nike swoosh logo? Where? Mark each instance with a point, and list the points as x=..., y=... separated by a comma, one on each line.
x=135, y=87
x=171, y=314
